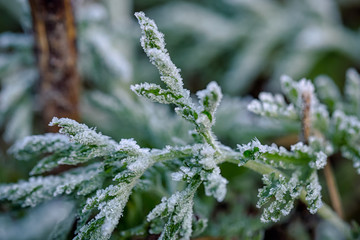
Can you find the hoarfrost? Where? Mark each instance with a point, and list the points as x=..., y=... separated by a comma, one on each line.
x=29, y=146
x=283, y=191
x=167, y=204
x=129, y=146
x=215, y=184
x=207, y=157
x=313, y=193
x=81, y=133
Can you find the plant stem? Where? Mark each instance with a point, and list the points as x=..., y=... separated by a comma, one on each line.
x=329, y=175
x=333, y=190
x=56, y=52
x=328, y=214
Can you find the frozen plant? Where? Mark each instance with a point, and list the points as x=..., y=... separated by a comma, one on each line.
x=109, y=172
x=335, y=125
x=231, y=37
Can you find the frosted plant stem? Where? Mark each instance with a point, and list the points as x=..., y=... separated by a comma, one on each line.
x=329, y=175
x=324, y=211
x=184, y=152
x=210, y=140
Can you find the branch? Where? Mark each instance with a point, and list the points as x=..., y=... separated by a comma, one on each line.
x=55, y=38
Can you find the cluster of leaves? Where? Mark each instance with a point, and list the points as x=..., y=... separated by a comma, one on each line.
x=334, y=123
x=109, y=172
x=297, y=34
x=105, y=64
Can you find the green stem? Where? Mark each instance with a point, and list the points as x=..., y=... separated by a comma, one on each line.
x=262, y=168
x=207, y=135
x=328, y=214
x=172, y=154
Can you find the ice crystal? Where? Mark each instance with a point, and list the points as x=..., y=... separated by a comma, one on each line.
x=209, y=100
x=38, y=189
x=153, y=44
x=33, y=146
x=185, y=173
x=346, y=135
x=273, y=106
x=81, y=133
x=178, y=208
x=202, y=115
x=299, y=155
x=284, y=193
x=128, y=146
x=274, y=188
x=313, y=193
x=215, y=184
x=207, y=157
x=276, y=107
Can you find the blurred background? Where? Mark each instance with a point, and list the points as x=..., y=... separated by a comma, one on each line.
x=244, y=45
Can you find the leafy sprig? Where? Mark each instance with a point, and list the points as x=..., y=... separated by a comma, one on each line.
x=110, y=170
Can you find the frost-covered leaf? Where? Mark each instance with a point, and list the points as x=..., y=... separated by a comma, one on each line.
x=11, y=93
x=19, y=122
x=81, y=133
x=38, y=189
x=352, y=90
x=215, y=184
x=328, y=92
x=34, y=146
x=283, y=191
x=296, y=92
x=352, y=153
x=153, y=44
x=209, y=100
x=293, y=90
x=201, y=116
x=346, y=136
x=54, y=150
x=178, y=208
x=111, y=201
x=106, y=220
x=313, y=192
x=273, y=106
x=300, y=155
x=155, y=93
